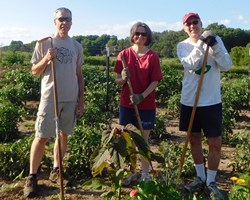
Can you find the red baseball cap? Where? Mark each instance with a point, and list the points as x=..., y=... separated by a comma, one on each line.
x=188, y=15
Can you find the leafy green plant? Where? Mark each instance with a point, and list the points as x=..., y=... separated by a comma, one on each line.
x=235, y=96
x=9, y=117
x=169, y=85
x=240, y=189
x=81, y=145
x=173, y=104
x=20, y=86
x=160, y=127
x=171, y=151
x=241, y=159
x=15, y=158
x=155, y=190
x=116, y=149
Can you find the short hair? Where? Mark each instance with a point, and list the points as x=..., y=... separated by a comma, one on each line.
x=147, y=29
x=63, y=9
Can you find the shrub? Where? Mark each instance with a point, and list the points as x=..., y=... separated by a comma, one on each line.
x=81, y=145
x=235, y=96
x=20, y=86
x=9, y=117
x=171, y=152
x=169, y=85
x=15, y=158
x=241, y=159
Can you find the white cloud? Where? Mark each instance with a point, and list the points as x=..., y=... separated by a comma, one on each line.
x=225, y=21
x=240, y=17
x=7, y=34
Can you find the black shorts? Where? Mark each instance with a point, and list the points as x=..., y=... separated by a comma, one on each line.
x=128, y=116
x=207, y=119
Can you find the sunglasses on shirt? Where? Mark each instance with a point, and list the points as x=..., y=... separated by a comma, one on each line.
x=193, y=22
x=63, y=19
x=144, y=34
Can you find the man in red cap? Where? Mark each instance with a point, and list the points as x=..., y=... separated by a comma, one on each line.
x=208, y=116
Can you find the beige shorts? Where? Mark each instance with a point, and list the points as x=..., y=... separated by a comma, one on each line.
x=46, y=122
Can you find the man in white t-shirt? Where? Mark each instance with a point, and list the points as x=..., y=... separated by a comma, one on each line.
x=67, y=57
x=208, y=116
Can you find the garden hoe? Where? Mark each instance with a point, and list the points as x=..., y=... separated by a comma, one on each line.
x=56, y=120
x=135, y=106
x=193, y=111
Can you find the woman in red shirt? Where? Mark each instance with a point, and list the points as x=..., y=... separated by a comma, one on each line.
x=144, y=71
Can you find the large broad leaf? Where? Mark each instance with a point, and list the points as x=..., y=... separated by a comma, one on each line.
x=120, y=146
x=143, y=147
x=130, y=149
x=100, y=162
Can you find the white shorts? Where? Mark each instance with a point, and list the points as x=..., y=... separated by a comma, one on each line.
x=46, y=122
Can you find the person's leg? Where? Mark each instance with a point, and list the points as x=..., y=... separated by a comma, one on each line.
x=197, y=154
x=63, y=141
x=214, y=155
x=36, y=153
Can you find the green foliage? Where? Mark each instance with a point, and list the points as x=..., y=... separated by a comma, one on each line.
x=240, y=56
x=173, y=105
x=15, y=158
x=240, y=189
x=117, y=186
x=100, y=97
x=9, y=116
x=156, y=190
x=171, y=152
x=160, y=127
x=235, y=96
x=14, y=58
x=20, y=86
x=241, y=159
x=117, y=149
x=81, y=145
x=169, y=85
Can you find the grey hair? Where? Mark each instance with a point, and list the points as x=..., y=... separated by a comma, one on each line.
x=63, y=9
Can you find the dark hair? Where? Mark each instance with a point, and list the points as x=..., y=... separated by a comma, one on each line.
x=147, y=29
x=62, y=9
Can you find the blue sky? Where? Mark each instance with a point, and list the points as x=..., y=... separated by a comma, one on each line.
x=29, y=20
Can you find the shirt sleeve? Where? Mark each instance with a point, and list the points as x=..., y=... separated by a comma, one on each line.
x=221, y=56
x=190, y=55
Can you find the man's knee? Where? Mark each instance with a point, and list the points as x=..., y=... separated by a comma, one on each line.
x=215, y=143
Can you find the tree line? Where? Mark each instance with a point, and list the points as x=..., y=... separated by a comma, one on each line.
x=164, y=43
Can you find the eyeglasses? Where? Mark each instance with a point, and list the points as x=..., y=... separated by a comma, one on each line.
x=63, y=19
x=144, y=34
x=193, y=22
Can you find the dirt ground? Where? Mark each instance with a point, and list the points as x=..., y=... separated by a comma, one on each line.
x=10, y=190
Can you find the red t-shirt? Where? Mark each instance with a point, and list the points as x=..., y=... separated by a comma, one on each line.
x=143, y=70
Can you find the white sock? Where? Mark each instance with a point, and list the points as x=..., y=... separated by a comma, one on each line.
x=211, y=174
x=200, y=170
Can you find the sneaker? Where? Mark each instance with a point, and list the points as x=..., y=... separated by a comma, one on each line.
x=30, y=188
x=213, y=190
x=144, y=177
x=196, y=186
x=54, y=177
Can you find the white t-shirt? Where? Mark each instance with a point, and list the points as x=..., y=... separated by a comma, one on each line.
x=191, y=56
x=69, y=55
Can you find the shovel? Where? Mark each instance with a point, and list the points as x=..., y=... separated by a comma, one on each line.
x=56, y=120
x=193, y=111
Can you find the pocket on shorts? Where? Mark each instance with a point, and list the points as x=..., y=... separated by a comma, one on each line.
x=40, y=122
